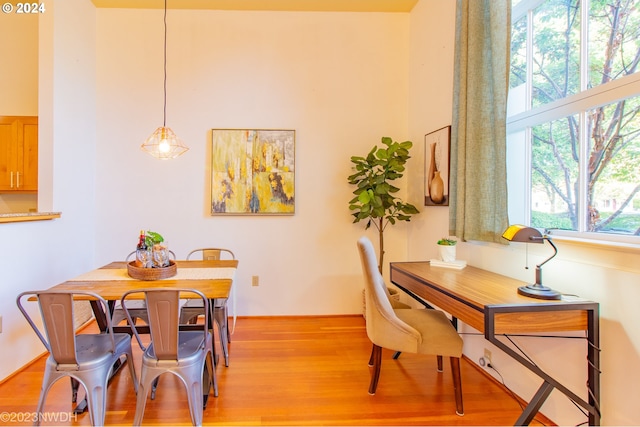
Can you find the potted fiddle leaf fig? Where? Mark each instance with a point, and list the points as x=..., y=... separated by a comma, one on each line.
x=375, y=198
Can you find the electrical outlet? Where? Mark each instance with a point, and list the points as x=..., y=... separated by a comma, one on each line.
x=255, y=280
x=487, y=356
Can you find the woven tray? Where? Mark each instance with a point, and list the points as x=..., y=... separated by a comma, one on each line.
x=141, y=273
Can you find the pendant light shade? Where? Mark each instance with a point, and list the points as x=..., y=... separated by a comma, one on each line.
x=163, y=143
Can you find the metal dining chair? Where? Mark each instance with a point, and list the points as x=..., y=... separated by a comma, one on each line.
x=85, y=358
x=186, y=354
x=192, y=308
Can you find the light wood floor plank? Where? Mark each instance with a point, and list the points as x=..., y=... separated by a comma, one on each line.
x=294, y=371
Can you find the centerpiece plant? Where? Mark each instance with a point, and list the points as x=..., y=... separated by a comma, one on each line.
x=375, y=198
x=152, y=238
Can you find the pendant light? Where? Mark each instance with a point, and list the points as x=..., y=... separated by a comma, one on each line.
x=163, y=143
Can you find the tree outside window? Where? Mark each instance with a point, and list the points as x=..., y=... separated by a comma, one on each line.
x=573, y=69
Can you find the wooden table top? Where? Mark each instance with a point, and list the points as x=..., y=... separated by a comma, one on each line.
x=214, y=281
x=468, y=293
x=478, y=288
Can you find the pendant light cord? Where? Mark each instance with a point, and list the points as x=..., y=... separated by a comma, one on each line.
x=164, y=113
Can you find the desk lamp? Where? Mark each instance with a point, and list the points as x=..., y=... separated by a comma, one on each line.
x=521, y=233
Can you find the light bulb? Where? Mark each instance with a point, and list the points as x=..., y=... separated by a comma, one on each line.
x=164, y=146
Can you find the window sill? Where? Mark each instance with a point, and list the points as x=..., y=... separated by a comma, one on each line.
x=599, y=244
x=30, y=216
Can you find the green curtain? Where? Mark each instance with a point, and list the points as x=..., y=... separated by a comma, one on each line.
x=478, y=181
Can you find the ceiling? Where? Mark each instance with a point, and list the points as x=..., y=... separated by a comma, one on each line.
x=275, y=5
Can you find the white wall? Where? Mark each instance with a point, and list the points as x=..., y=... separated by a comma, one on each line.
x=338, y=79
x=19, y=67
x=18, y=84
x=608, y=275
x=37, y=255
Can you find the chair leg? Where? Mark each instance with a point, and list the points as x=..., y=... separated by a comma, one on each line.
x=210, y=381
x=132, y=371
x=154, y=387
x=141, y=399
x=370, y=363
x=194, y=398
x=440, y=368
x=44, y=390
x=376, y=355
x=457, y=384
x=74, y=389
x=96, y=403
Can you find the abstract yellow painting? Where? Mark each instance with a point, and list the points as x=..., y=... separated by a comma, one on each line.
x=252, y=171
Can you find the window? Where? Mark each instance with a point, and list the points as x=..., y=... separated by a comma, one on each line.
x=573, y=126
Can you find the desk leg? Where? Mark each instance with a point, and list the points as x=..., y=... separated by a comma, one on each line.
x=534, y=406
x=593, y=362
x=593, y=359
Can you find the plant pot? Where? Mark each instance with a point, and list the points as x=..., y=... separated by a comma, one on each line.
x=447, y=252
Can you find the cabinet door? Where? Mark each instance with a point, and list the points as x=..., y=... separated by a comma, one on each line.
x=8, y=153
x=28, y=156
x=18, y=154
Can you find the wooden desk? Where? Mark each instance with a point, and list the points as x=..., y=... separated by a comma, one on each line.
x=490, y=303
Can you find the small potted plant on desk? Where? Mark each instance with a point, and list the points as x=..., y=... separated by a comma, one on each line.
x=447, y=249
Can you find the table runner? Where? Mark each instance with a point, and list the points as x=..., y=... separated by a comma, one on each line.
x=113, y=274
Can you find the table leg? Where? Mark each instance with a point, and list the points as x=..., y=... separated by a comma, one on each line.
x=212, y=312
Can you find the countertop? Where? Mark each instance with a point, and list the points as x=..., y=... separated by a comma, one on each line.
x=28, y=216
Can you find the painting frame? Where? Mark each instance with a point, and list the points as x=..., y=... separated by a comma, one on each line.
x=437, y=152
x=252, y=172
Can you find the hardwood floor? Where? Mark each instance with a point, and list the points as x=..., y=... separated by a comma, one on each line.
x=292, y=371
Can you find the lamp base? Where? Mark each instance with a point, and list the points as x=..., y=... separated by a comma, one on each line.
x=539, y=291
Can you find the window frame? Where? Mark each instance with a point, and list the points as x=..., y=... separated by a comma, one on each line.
x=519, y=127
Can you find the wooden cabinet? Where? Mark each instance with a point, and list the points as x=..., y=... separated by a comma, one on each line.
x=18, y=154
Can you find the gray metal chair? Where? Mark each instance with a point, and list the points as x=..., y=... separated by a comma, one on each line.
x=192, y=308
x=186, y=354
x=85, y=358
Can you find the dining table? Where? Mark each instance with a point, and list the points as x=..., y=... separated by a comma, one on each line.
x=214, y=278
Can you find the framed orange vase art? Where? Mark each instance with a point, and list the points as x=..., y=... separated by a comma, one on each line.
x=437, y=145
x=252, y=172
